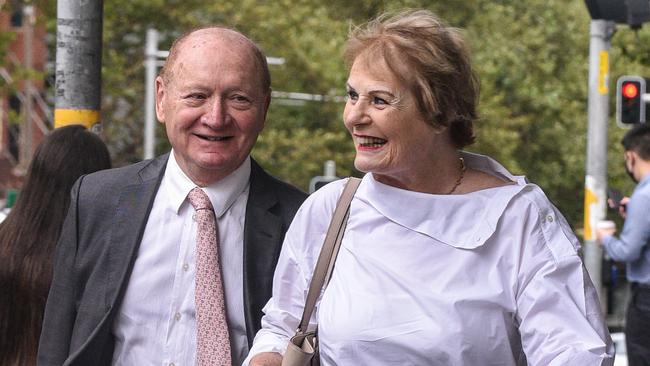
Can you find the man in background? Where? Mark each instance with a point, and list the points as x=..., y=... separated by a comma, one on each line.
x=633, y=244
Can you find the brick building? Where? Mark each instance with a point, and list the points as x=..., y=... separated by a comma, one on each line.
x=17, y=108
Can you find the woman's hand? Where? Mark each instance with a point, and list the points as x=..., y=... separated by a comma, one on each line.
x=266, y=359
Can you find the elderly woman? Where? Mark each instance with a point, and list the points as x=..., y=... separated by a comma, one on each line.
x=447, y=259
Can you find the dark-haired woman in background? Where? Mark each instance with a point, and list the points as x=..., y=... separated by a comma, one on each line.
x=29, y=234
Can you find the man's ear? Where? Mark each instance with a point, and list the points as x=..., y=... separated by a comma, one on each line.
x=160, y=94
x=267, y=103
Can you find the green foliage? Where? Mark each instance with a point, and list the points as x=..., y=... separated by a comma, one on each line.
x=534, y=78
x=531, y=56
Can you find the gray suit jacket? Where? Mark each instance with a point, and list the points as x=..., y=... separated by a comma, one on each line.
x=98, y=246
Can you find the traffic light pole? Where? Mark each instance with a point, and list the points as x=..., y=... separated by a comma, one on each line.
x=78, y=62
x=596, y=165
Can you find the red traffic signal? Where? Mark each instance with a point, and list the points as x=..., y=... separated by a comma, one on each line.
x=630, y=106
x=630, y=90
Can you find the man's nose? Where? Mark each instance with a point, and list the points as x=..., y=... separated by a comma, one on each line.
x=215, y=115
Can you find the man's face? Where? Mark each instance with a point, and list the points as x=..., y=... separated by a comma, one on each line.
x=213, y=105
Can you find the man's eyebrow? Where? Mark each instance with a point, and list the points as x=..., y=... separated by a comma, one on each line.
x=192, y=87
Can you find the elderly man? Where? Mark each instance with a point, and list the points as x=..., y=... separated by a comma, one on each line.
x=170, y=261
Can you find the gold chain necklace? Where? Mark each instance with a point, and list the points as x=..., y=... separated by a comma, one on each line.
x=460, y=178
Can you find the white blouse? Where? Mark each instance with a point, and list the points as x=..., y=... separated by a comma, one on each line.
x=491, y=277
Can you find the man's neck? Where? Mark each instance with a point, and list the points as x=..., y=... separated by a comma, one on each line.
x=643, y=169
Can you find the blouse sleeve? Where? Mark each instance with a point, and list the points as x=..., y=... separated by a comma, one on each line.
x=293, y=273
x=559, y=315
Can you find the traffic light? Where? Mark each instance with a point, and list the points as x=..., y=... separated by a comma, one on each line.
x=630, y=103
x=631, y=12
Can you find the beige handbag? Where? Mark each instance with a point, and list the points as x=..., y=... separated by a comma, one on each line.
x=303, y=346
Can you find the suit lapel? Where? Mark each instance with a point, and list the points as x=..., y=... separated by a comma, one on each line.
x=129, y=222
x=262, y=242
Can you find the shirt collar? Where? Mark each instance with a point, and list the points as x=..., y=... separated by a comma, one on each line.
x=644, y=181
x=461, y=221
x=488, y=165
x=222, y=194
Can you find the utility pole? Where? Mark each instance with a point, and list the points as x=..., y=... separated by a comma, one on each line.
x=605, y=14
x=151, y=63
x=601, y=32
x=78, y=63
x=27, y=130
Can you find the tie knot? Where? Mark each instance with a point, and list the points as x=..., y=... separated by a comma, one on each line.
x=199, y=200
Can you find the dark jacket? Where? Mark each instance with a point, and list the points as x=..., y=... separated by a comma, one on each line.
x=98, y=246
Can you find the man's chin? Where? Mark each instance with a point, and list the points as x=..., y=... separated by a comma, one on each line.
x=220, y=165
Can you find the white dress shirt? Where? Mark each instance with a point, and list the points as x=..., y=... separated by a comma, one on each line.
x=156, y=323
x=491, y=277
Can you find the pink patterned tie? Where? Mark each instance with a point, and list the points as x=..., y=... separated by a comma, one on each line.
x=212, y=339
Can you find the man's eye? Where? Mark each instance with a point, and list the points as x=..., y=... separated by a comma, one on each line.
x=196, y=96
x=240, y=98
x=240, y=102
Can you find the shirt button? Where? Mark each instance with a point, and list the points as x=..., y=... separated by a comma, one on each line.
x=549, y=218
x=177, y=316
x=186, y=267
x=194, y=217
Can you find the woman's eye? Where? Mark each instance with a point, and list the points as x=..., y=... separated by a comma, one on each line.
x=379, y=101
x=352, y=95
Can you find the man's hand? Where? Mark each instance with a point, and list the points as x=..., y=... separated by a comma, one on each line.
x=618, y=205
x=602, y=231
x=266, y=359
x=623, y=206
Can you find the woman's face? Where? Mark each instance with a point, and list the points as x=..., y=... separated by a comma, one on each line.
x=391, y=137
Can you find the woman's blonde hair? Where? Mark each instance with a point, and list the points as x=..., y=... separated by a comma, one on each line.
x=428, y=56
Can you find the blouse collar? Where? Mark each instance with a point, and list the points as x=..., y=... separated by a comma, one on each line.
x=462, y=221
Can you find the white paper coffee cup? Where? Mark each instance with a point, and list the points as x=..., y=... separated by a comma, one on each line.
x=606, y=225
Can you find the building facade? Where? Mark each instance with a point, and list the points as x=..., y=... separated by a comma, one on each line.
x=25, y=69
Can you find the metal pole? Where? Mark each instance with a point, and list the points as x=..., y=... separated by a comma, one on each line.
x=596, y=162
x=151, y=57
x=26, y=132
x=78, y=62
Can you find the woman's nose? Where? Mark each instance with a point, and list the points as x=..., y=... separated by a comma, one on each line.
x=355, y=113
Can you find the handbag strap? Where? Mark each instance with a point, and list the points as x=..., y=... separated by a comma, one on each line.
x=327, y=256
